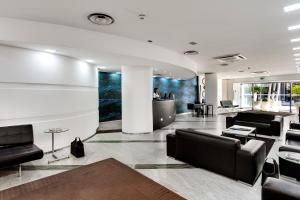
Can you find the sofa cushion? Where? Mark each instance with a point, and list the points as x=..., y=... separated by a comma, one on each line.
x=15, y=155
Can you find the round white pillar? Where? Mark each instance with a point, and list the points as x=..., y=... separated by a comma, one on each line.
x=137, y=86
x=211, y=90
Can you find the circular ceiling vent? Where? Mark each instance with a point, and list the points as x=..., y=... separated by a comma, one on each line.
x=101, y=19
x=191, y=52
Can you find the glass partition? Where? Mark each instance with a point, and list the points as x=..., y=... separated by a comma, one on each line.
x=295, y=97
x=271, y=96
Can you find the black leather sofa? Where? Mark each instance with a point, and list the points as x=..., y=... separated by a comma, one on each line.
x=219, y=154
x=277, y=189
x=16, y=146
x=292, y=144
x=265, y=124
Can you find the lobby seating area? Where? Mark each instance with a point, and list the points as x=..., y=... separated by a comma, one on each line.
x=150, y=100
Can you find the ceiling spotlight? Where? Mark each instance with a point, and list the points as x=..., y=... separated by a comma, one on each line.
x=295, y=40
x=101, y=67
x=191, y=52
x=296, y=48
x=50, y=51
x=100, y=19
x=150, y=41
x=89, y=61
x=241, y=71
x=292, y=7
x=293, y=27
x=142, y=16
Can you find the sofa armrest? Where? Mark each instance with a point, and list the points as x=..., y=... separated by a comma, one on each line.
x=230, y=121
x=290, y=148
x=292, y=135
x=294, y=125
x=276, y=126
x=171, y=145
x=250, y=160
x=280, y=189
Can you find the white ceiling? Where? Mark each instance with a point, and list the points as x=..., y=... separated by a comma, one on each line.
x=255, y=28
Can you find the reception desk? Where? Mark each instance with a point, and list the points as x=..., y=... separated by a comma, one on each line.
x=164, y=113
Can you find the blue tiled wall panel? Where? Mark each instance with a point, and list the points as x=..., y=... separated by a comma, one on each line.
x=110, y=103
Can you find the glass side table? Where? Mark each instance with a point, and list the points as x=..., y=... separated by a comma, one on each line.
x=54, y=131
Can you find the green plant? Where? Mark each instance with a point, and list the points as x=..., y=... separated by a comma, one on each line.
x=296, y=89
x=256, y=89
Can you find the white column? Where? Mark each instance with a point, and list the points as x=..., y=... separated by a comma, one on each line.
x=211, y=90
x=137, y=86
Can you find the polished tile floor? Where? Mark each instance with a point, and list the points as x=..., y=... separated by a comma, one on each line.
x=147, y=154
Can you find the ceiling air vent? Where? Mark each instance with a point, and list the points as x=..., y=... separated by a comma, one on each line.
x=191, y=52
x=230, y=58
x=100, y=19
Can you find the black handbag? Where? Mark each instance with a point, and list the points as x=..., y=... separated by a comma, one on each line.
x=77, y=148
x=269, y=170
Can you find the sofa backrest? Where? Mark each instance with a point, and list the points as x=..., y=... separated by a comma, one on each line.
x=255, y=117
x=215, y=153
x=226, y=103
x=16, y=135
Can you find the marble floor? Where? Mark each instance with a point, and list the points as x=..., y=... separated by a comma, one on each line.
x=146, y=153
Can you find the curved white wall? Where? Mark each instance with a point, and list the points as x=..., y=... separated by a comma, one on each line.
x=33, y=32
x=48, y=91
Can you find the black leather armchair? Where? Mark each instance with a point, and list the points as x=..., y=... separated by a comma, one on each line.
x=277, y=189
x=16, y=146
x=219, y=154
x=292, y=144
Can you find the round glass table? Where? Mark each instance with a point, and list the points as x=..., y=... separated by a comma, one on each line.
x=290, y=156
x=54, y=131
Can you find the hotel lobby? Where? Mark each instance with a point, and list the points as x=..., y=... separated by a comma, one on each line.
x=159, y=100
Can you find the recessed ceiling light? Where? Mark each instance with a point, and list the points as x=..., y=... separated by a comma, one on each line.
x=296, y=48
x=295, y=40
x=101, y=19
x=260, y=72
x=297, y=54
x=193, y=43
x=50, y=50
x=150, y=41
x=101, y=67
x=292, y=7
x=89, y=60
x=293, y=27
x=297, y=59
x=191, y=52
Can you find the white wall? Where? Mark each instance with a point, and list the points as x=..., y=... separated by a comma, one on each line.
x=48, y=91
x=137, y=89
x=212, y=90
x=227, y=89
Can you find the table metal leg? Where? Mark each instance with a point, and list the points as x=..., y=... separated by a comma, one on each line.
x=53, y=155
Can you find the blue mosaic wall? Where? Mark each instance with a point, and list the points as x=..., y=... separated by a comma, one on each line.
x=184, y=90
x=110, y=103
